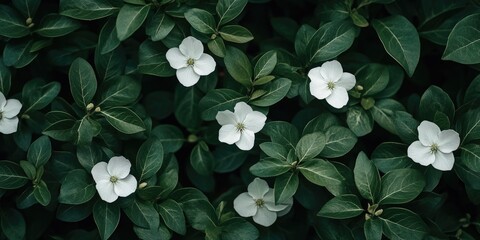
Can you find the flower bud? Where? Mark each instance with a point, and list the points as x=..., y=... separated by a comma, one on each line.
x=142, y=185
x=192, y=138
x=28, y=21
x=98, y=109
x=90, y=106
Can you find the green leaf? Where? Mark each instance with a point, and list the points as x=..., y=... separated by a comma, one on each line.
x=198, y=211
x=339, y=141
x=201, y=20
x=88, y=155
x=463, y=45
x=107, y=217
x=142, y=214
x=358, y=19
x=302, y=38
x=84, y=130
x=400, y=223
x=238, y=66
x=270, y=167
x=434, y=100
x=159, y=26
x=11, y=23
x=83, y=83
x=227, y=10
x=228, y=158
x=149, y=158
x=77, y=188
x=372, y=229
x=74, y=213
x=373, y=78
x=202, y=159
x=470, y=126
x=41, y=96
x=332, y=229
x=368, y=2
x=274, y=150
x=124, y=120
x=218, y=100
x=470, y=156
x=110, y=65
x=472, y=92
x=310, y=145
x=330, y=40
x=172, y=214
x=367, y=178
x=390, y=156
x=400, y=39
x=238, y=228
x=320, y=172
x=152, y=60
x=11, y=175
x=383, y=113
x=321, y=123
x=235, y=34
x=107, y=39
x=342, y=207
x=41, y=193
x=129, y=19
x=40, y=151
x=18, y=53
x=275, y=91
x=359, y=121
x=12, y=223
x=54, y=25
x=405, y=126
x=282, y=133
x=27, y=7
x=217, y=46
x=87, y=9
x=5, y=78
x=265, y=64
x=401, y=186
x=29, y=169
x=186, y=106
x=122, y=91
x=285, y=186
x=171, y=137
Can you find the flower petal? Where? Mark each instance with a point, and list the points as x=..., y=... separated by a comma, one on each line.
x=242, y=110
x=119, y=167
x=316, y=76
x=338, y=98
x=289, y=204
x=106, y=192
x=347, y=81
x=245, y=205
x=226, y=117
x=229, y=134
x=443, y=161
x=420, y=154
x=100, y=172
x=187, y=77
x=176, y=59
x=269, y=201
x=191, y=47
x=320, y=89
x=12, y=108
x=258, y=188
x=265, y=217
x=204, y=65
x=255, y=121
x=246, y=141
x=448, y=141
x=8, y=125
x=331, y=71
x=126, y=186
x=428, y=133
x=3, y=101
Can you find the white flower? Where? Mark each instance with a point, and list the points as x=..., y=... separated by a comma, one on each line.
x=8, y=114
x=329, y=82
x=259, y=203
x=239, y=127
x=434, y=146
x=190, y=61
x=113, y=179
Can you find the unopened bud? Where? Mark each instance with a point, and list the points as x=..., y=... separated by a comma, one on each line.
x=359, y=87
x=213, y=36
x=367, y=216
x=142, y=185
x=28, y=21
x=98, y=109
x=90, y=106
x=192, y=138
x=378, y=212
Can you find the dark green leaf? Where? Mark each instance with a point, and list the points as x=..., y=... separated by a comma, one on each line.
x=149, y=158
x=367, y=178
x=40, y=151
x=18, y=54
x=11, y=175
x=218, y=100
x=390, y=155
x=27, y=7
x=11, y=23
x=41, y=193
x=83, y=83
x=202, y=159
x=275, y=91
x=270, y=167
x=400, y=39
x=238, y=66
x=342, y=207
x=359, y=121
x=406, y=126
x=124, y=120
x=400, y=223
x=122, y=91
x=401, y=186
x=235, y=34
x=74, y=213
x=108, y=40
x=282, y=133
x=129, y=19
x=12, y=223
x=186, y=106
x=265, y=65
x=159, y=26
x=383, y=113
x=171, y=137
x=320, y=172
x=77, y=188
x=274, y=150
x=373, y=78
x=217, y=46
x=285, y=186
x=470, y=156
x=227, y=10
x=88, y=155
x=463, y=45
x=470, y=126
x=372, y=229
x=143, y=214
x=107, y=217
x=152, y=60
x=87, y=9
x=54, y=25
x=310, y=145
x=41, y=96
x=172, y=214
x=84, y=130
x=339, y=141
x=238, y=228
x=201, y=20
x=5, y=78
x=435, y=100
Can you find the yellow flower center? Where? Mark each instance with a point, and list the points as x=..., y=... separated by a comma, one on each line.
x=331, y=85
x=113, y=179
x=259, y=202
x=240, y=127
x=434, y=148
x=190, y=62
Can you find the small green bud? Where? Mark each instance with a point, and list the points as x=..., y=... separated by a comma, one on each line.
x=378, y=212
x=359, y=87
x=98, y=109
x=192, y=138
x=213, y=36
x=142, y=185
x=90, y=106
x=28, y=21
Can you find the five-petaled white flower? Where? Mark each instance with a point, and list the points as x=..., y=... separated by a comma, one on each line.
x=190, y=61
x=434, y=146
x=8, y=114
x=239, y=127
x=113, y=179
x=259, y=203
x=329, y=82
